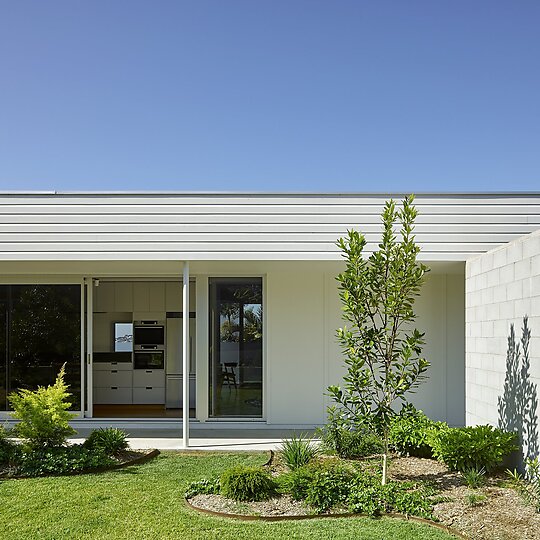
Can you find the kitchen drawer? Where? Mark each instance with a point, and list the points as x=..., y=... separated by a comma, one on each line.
x=148, y=377
x=113, y=377
x=111, y=395
x=149, y=395
x=108, y=366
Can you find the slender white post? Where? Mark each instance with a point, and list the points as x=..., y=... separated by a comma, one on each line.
x=185, y=356
x=89, y=345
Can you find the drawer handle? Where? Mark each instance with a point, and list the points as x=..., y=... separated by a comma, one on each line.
x=114, y=371
x=149, y=388
x=148, y=371
x=114, y=387
x=114, y=363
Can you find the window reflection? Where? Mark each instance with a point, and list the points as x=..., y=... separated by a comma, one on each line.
x=236, y=347
x=40, y=328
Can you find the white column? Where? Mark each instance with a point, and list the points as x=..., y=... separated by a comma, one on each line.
x=89, y=345
x=185, y=356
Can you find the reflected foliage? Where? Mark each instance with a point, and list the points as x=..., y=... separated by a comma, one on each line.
x=236, y=353
x=40, y=331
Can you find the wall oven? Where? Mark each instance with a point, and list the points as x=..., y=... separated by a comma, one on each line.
x=149, y=333
x=149, y=359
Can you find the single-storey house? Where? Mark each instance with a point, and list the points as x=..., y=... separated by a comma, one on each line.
x=224, y=306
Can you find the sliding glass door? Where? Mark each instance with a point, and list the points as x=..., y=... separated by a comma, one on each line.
x=236, y=357
x=40, y=330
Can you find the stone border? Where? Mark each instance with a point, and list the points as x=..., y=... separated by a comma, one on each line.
x=136, y=461
x=403, y=517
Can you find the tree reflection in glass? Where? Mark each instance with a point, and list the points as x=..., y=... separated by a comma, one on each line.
x=236, y=347
x=42, y=331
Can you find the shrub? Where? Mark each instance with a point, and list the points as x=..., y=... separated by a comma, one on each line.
x=328, y=487
x=368, y=496
x=350, y=444
x=110, y=441
x=8, y=449
x=474, y=478
x=411, y=431
x=61, y=460
x=297, y=482
x=209, y=486
x=298, y=451
x=472, y=447
x=321, y=484
x=43, y=414
x=247, y=484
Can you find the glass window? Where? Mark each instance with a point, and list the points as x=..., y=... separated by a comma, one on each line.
x=41, y=329
x=236, y=359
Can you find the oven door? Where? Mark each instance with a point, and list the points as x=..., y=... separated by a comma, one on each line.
x=149, y=360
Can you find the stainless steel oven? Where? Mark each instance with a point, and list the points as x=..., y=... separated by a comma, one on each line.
x=149, y=359
x=148, y=333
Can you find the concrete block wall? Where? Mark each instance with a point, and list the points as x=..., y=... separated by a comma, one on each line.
x=502, y=291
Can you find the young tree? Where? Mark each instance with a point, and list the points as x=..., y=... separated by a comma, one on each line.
x=382, y=349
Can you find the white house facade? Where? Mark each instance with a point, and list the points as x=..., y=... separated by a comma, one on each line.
x=110, y=283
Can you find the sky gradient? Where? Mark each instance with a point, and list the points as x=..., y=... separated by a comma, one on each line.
x=260, y=95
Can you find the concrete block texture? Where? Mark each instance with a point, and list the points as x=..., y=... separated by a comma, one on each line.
x=502, y=350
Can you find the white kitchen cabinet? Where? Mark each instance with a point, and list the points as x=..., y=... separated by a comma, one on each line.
x=123, y=296
x=156, y=291
x=113, y=377
x=173, y=296
x=148, y=377
x=113, y=395
x=141, y=296
x=149, y=395
x=104, y=296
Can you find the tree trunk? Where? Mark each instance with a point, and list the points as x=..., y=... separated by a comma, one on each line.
x=385, y=459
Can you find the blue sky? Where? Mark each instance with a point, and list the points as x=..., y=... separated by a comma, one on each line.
x=281, y=95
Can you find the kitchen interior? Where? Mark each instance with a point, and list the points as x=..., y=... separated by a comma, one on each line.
x=137, y=349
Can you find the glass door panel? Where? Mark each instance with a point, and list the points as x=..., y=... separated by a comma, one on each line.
x=3, y=350
x=236, y=367
x=39, y=332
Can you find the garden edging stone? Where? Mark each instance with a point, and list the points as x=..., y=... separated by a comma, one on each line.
x=243, y=517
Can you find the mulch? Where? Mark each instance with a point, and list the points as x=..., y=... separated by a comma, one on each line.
x=501, y=515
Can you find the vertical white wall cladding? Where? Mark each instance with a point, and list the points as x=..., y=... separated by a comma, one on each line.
x=296, y=344
x=455, y=349
x=303, y=312
x=502, y=287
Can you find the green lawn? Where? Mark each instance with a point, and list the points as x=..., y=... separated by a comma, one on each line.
x=146, y=502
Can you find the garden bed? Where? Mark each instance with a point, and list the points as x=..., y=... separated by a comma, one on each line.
x=502, y=515
x=494, y=511
x=122, y=459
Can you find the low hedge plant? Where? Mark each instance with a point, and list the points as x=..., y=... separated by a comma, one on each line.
x=334, y=485
x=411, y=432
x=479, y=447
x=9, y=451
x=61, y=460
x=247, y=484
x=368, y=496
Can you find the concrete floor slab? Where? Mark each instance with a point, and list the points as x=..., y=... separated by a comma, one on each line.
x=203, y=440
